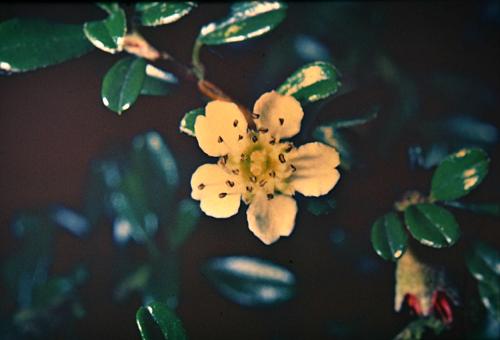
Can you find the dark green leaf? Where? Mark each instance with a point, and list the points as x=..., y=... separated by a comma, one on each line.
x=416, y=330
x=135, y=281
x=347, y=123
x=164, y=318
x=188, y=214
x=490, y=296
x=108, y=34
x=388, y=237
x=480, y=208
x=123, y=83
x=459, y=173
x=432, y=225
x=250, y=281
x=31, y=44
x=312, y=82
x=247, y=20
x=187, y=122
x=162, y=13
x=484, y=263
x=163, y=284
x=158, y=82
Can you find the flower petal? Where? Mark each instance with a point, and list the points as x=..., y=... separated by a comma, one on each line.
x=315, y=165
x=218, y=191
x=280, y=114
x=270, y=219
x=218, y=131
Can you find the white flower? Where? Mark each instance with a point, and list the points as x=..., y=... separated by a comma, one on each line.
x=257, y=167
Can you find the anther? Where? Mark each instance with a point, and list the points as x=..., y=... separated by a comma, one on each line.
x=253, y=179
x=235, y=123
x=293, y=168
x=220, y=140
x=272, y=174
x=255, y=115
x=230, y=183
x=201, y=186
x=272, y=141
x=282, y=158
x=262, y=182
x=243, y=157
x=222, y=194
x=249, y=188
x=270, y=196
x=263, y=130
x=289, y=147
x=236, y=171
x=254, y=138
x=240, y=137
x=282, y=121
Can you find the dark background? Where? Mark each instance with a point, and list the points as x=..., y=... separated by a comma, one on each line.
x=53, y=124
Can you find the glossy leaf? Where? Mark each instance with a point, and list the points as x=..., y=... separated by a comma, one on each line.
x=250, y=281
x=156, y=167
x=247, y=20
x=312, y=82
x=187, y=122
x=388, y=237
x=157, y=316
x=162, y=13
x=29, y=44
x=355, y=121
x=484, y=263
x=459, y=173
x=480, y=208
x=432, y=225
x=123, y=83
x=188, y=214
x=158, y=82
x=490, y=297
x=108, y=34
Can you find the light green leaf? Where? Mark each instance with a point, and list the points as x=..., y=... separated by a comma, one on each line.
x=108, y=34
x=247, y=20
x=123, y=83
x=162, y=13
x=312, y=82
x=188, y=214
x=480, y=208
x=432, y=225
x=187, y=122
x=250, y=281
x=459, y=173
x=29, y=44
x=388, y=237
x=157, y=316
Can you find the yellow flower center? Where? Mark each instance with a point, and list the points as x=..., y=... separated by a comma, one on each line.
x=258, y=162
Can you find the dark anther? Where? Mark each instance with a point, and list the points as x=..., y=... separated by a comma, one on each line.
x=201, y=186
x=253, y=179
x=282, y=158
x=289, y=148
x=263, y=130
x=242, y=157
x=230, y=183
x=220, y=140
x=223, y=159
x=272, y=174
x=282, y=121
x=262, y=182
x=240, y=137
x=255, y=115
x=293, y=168
x=222, y=194
x=254, y=138
x=270, y=196
x=249, y=189
x=235, y=123
x=272, y=141
x=236, y=171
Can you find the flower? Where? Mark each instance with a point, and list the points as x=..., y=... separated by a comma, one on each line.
x=424, y=288
x=256, y=166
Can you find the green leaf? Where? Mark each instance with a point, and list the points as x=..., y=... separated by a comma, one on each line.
x=31, y=44
x=157, y=82
x=459, y=173
x=163, y=284
x=388, y=237
x=162, y=13
x=312, y=82
x=432, y=225
x=134, y=281
x=157, y=315
x=250, y=281
x=417, y=329
x=351, y=122
x=157, y=170
x=321, y=205
x=188, y=214
x=123, y=83
x=480, y=208
x=247, y=20
x=336, y=138
x=484, y=263
x=108, y=34
x=187, y=122
x=490, y=297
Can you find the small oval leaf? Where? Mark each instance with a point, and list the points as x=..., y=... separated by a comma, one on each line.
x=31, y=44
x=247, y=20
x=250, y=281
x=158, y=82
x=388, y=237
x=187, y=122
x=432, y=225
x=459, y=173
x=188, y=214
x=123, y=83
x=158, y=315
x=108, y=34
x=312, y=82
x=490, y=297
x=484, y=263
x=162, y=13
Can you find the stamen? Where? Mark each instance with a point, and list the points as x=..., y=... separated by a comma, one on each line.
x=293, y=168
x=236, y=171
x=282, y=158
x=235, y=123
x=254, y=138
x=282, y=121
x=263, y=130
x=255, y=115
x=253, y=179
x=223, y=160
x=230, y=183
x=243, y=157
x=240, y=137
x=272, y=174
x=289, y=147
x=220, y=140
x=262, y=182
x=249, y=188
x=272, y=141
x=201, y=186
x=270, y=196
x=222, y=194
